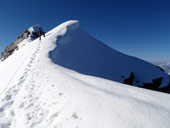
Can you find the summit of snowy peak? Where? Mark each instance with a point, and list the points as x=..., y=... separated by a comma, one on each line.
x=71, y=24
x=68, y=25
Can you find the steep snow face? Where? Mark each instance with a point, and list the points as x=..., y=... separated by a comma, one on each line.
x=36, y=93
x=78, y=51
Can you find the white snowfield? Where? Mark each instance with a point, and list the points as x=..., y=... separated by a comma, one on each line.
x=37, y=93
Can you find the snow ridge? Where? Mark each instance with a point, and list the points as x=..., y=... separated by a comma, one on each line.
x=43, y=94
x=76, y=50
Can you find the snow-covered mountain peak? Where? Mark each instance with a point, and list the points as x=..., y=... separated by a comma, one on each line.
x=71, y=24
x=78, y=51
x=64, y=27
x=46, y=87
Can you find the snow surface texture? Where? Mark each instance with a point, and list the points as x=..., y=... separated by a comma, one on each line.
x=36, y=93
x=166, y=67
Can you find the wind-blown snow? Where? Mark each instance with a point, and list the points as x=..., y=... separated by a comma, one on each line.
x=37, y=93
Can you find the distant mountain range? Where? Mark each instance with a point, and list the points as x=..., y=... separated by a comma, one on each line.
x=165, y=67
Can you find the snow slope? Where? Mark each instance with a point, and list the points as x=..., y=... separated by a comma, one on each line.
x=80, y=52
x=37, y=93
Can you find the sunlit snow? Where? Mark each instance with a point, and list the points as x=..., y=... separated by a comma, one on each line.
x=37, y=93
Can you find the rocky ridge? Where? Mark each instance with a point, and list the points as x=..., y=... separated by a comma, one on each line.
x=31, y=33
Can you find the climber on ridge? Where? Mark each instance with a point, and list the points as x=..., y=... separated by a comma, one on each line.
x=41, y=32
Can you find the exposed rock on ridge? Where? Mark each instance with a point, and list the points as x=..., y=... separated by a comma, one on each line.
x=32, y=33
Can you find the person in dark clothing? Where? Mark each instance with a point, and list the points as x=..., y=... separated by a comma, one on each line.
x=41, y=32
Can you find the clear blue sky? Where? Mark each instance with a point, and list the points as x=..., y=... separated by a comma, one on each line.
x=135, y=27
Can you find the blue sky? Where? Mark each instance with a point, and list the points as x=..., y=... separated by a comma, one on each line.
x=139, y=28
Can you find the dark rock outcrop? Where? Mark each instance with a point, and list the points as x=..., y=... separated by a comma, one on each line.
x=157, y=82
x=152, y=86
x=11, y=48
x=155, y=85
x=32, y=32
x=129, y=80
